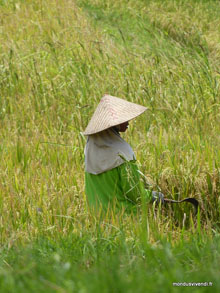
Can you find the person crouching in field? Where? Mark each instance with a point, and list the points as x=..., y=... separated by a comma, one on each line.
x=112, y=178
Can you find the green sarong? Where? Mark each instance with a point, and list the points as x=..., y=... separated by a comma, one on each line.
x=120, y=187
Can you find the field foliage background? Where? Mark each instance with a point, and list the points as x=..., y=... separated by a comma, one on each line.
x=57, y=59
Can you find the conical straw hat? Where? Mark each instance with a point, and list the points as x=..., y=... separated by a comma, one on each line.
x=112, y=111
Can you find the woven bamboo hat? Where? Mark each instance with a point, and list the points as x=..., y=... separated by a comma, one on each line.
x=112, y=111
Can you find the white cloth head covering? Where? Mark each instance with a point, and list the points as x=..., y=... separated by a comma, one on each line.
x=106, y=150
x=112, y=111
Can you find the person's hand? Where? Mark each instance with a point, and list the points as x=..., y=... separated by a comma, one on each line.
x=157, y=197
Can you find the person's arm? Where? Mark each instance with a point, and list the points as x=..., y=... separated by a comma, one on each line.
x=132, y=185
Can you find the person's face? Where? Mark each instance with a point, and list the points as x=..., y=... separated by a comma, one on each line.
x=123, y=127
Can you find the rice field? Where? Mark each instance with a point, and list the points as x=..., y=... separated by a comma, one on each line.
x=57, y=59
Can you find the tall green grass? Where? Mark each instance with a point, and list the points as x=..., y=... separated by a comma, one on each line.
x=88, y=264
x=57, y=59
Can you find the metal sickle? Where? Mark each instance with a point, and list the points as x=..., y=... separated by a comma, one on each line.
x=191, y=200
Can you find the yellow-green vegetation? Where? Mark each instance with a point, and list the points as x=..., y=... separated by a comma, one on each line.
x=57, y=59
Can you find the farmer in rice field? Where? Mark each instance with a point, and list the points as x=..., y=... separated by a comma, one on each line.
x=112, y=178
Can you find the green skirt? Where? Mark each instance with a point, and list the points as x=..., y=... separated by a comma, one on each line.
x=118, y=188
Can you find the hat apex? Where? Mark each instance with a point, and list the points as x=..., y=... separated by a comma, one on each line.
x=112, y=111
